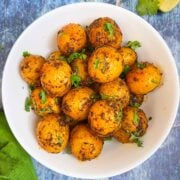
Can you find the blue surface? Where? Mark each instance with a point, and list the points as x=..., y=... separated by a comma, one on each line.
x=16, y=15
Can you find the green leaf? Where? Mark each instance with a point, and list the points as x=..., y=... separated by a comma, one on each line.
x=76, y=80
x=96, y=63
x=77, y=55
x=62, y=58
x=42, y=95
x=134, y=138
x=119, y=115
x=136, y=117
x=26, y=54
x=59, y=140
x=133, y=44
x=109, y=28
x=126, y=69
x=135, y=104
x=105, y=96
x=147, y=7
x=141, y=65
x=31, y=88
x=108, y=139
x=27, y=104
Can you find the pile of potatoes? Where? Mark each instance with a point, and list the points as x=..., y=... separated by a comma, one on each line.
x=89, y=90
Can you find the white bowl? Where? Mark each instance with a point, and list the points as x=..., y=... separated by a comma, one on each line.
x=161, y=104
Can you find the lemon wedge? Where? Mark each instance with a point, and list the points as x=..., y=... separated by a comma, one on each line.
x=168, y=5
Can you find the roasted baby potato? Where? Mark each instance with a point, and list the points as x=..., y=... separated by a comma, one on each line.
x=85, y=145
x=105, y=64
x=77, y=102
x=55, y=78
x=122, y=136
x=104, y=119
x=56, y=55
x=117, y=91
x=71, y=38
x=134, y=120
x=80, y=67
x=143, y=78
x=104, y=31
x=30, y=69
x=42, y=103
x=129, y=56
x=52, y=133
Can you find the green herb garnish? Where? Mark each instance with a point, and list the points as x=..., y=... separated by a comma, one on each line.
x=27, y=104
x=31, y=88
x=134, y=138
x=77, y=55
x=136, y=117
x=108, y=139
x=136, y=105
x=95, y=97
x=126, y=69
x=59, y=140
x=133, y=44
x=96, y=63
x=42, y=95
x=26, y=54
x=119, y=115
x=75, y=79
x=141, y=65
x=109, y=28
x=63, y=58
x=105, y=96
x=147, y=7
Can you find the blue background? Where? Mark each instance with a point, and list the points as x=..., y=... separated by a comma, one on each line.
x=16, y=15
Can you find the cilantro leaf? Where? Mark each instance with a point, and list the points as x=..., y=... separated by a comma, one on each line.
x=147, y=7
x=95, y=97
x=96, y=63
x=26, y=54
x=126, y=69
x=133, y=44
x=27, y=104
x=119, y=115
x=76, y=55
x=75, y=79
x=136, y=117
x=134, y=138
x=42, y=95
x=141, y=65
x=109, y=28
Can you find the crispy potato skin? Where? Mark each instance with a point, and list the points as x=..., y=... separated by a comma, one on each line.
x=52, y=133
x=56, y=55
x=55, y=78
x=116, y=90
x=143, y=122
x=85, y=145
x=103, y=119
x=71, y=38
x=143, y=81
x=122, y=136
x=77, y=102
x=105, y=64
x=51, y=105
x=99, y=36
x=129, y=56
x=30, y=69
x=80, y=66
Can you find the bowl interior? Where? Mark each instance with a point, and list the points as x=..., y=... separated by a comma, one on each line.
x=40, y=38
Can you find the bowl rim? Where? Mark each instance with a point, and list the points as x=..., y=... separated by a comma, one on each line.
x=176, y=104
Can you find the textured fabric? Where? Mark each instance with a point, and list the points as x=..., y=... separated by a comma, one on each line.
x=15, y=163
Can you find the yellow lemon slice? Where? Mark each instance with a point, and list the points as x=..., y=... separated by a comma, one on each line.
x=168, y=5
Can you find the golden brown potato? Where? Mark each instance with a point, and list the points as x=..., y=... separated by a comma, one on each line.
x=79, y=67
x=105, y=64
x=55, y=78
x=56, y=55
x=104, y=31
x=52, y=133
x=71, y=38
x=117, y=91
x=44, y=104
x=122, y=136
x=129, y=56
x=85, y=145
x=76, y=103
x=136, y=100
x=104, y=119
x=134, y=120
x=30, y=69
x=143, y=78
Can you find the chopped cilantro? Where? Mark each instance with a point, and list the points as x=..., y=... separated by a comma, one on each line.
x=105, y=96
x=108, y=139
x=134, y=138
x=147, y=7
x=126, y=69
x=62, y=58
x=77, y=55
x=59, y=140
x=119, y=115
x=133, y=44
x=27, y=104
x=135, y=104
x=136, y=117
x=31, y=88
x=26, y=53
x=96, y=63
x=109, y=28
x=95, y=97
x=141, y=65
x=75, y=79
x=42, y=95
